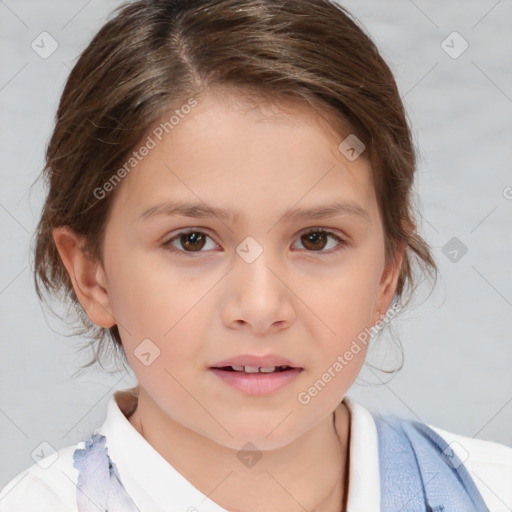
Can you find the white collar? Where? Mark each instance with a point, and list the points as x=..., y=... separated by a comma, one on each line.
x=364, y=474
x=155, y=485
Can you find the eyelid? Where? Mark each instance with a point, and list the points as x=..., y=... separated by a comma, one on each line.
x=167, y=244
x=195, y=229
x=341, y=239
x=325, y=229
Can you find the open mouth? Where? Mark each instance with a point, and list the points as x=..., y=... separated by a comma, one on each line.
x=255, y=369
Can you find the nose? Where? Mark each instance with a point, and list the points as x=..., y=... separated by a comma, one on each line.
x=258, y=297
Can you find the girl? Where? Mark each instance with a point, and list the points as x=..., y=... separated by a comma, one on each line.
x=230, y=206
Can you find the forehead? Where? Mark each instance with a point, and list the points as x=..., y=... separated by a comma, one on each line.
x=240, y=151
x=251, y=107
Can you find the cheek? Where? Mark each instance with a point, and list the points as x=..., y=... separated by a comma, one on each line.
x=164, y=361
x=344, y=304
x=148, y=298
x=169, y=382
x=345, y=299
x=160, y=304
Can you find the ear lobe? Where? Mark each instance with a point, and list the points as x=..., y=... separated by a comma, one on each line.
x=87, y=277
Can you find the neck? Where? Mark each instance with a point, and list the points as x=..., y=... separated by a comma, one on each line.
x=311, y=473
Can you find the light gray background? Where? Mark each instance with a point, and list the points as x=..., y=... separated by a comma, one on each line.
x=457, y=344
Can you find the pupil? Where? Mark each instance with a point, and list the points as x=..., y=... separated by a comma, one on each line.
x=190, y=239
x=314, y=237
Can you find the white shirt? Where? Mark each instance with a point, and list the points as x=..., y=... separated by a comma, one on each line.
x=154, y=485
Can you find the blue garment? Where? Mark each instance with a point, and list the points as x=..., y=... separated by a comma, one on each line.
x=419, y=472
x=99, y=488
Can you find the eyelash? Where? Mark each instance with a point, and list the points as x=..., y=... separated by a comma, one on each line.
x=341, y=243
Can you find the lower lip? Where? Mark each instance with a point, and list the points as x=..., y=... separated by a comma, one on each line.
x=257, y=384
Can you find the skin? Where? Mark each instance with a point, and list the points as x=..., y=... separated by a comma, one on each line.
x=306, y=302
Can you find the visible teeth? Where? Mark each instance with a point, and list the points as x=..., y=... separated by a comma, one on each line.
x=256, y=369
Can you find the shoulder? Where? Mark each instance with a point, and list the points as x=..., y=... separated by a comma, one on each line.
x=48, y=485
x=489, y=465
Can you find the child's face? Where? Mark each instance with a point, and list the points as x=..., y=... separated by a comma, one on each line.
x=303, y=299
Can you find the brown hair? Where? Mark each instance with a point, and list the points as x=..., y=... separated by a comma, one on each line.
x=154, y=55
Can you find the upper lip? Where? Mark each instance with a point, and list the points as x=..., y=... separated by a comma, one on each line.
x=256, y=361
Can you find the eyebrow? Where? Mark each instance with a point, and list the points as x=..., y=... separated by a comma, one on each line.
x=202, y=210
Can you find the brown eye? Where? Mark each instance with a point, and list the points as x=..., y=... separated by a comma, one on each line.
x=316, y=240
x=189, y=241
x=192, y=241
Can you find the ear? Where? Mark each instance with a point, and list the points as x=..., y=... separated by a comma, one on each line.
x=387, y=286
x=87, y=276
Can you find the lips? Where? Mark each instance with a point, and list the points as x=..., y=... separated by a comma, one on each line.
x=254, y=363
x=255, y=375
